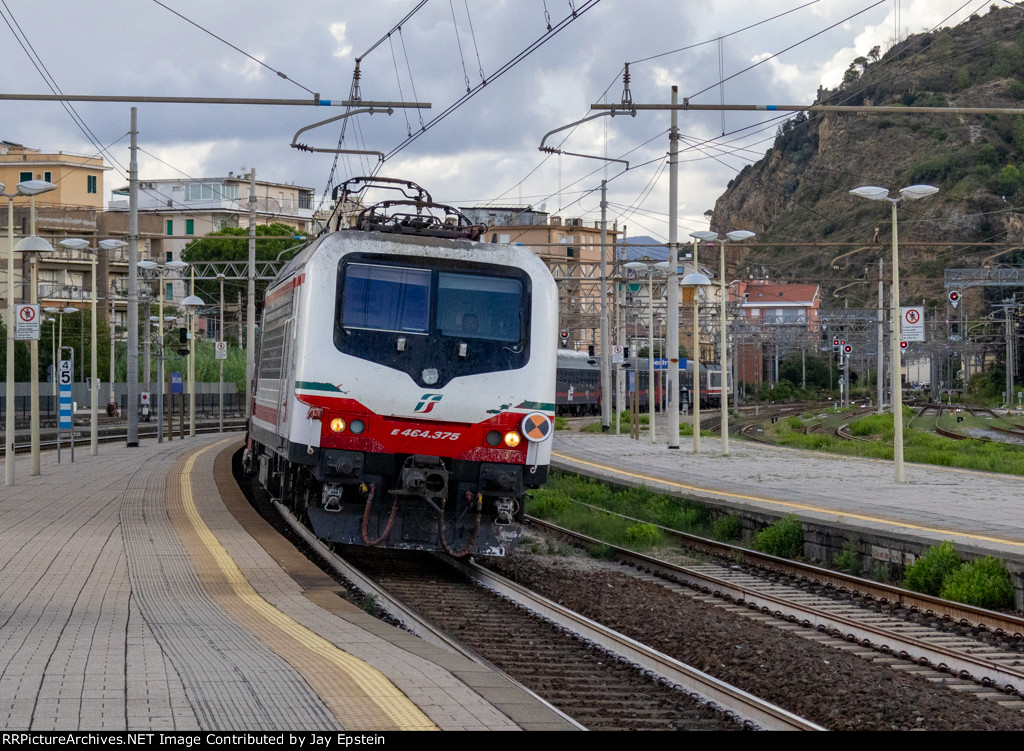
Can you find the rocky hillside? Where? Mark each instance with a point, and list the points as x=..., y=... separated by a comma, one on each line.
x=799, y=192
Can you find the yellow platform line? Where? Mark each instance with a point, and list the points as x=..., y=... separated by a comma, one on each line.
x=791, y=504
x=392, y=702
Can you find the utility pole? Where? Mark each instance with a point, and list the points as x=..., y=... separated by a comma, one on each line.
x=133, y=289
x=672, y=295
x=880, y=378
x=250, y=337
x=606, y=352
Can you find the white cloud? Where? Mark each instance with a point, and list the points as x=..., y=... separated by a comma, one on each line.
x=338, y=31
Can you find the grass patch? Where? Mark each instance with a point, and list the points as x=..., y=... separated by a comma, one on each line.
x=921, y=446
x=569, y=500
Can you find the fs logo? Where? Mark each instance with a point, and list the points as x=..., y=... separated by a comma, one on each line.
x=427, y=402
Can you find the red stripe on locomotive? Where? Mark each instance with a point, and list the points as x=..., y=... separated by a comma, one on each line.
x=403, y=435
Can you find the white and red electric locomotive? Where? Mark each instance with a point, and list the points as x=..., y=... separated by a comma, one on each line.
x=404, y=396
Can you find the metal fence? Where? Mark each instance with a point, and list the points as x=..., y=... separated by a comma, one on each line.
x=207, y=403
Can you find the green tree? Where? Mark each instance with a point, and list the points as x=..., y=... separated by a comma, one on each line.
x=22, y=363
x=230, y=244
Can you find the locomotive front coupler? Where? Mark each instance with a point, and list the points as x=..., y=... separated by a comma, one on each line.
x=423, y=477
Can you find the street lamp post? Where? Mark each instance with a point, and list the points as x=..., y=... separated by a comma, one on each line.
x=735, y=236
x=25, y=188
x=33, y=246
x=191, y=303
x=910, y=193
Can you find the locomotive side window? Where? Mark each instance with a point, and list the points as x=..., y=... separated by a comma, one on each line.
x=386, y=298
x=479, y=307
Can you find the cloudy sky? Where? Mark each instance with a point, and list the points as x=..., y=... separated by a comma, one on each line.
x=483, y=150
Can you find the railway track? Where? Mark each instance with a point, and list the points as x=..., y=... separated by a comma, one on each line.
x=949, y=642
x=600, y=679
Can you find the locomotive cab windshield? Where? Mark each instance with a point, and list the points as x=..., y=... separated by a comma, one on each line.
x=416, y=317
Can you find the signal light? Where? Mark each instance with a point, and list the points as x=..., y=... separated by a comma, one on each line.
x=564, y=335
x=903, y=346
x=847, y=349
x=183, y=335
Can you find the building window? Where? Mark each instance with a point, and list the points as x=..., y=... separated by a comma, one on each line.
x=170, y=256
x=190, y=226
x=48, y=176
x=169, y=291
x=170, y=226
x=91, y=183
x=24, y=177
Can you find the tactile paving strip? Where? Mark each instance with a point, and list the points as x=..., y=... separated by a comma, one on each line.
x=232, y=681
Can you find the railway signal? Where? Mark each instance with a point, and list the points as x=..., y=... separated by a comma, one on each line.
x=903, y=346
x=564, y=336
x=847, y=349
x=954, y=297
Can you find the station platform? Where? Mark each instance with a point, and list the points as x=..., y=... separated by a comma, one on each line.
x=140, y=592
x=981, y=512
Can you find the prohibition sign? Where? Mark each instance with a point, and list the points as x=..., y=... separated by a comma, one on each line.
x=27, y=313
x=536, y=426
x=912, y=316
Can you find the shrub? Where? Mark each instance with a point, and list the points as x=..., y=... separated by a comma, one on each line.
x=927, y=573
x=784, y=538
x=642, y=535
x=727, y=528
x=984, y=583
x=848, y=559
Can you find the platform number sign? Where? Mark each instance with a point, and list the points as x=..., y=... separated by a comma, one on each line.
x=65, y=376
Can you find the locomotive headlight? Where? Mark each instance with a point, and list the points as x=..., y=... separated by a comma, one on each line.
x=512, y=439
x=493, y=438
x=357, y=427
x=338, y=425
x=430, y=376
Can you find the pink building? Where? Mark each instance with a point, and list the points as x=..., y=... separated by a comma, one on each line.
x=776, y=317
